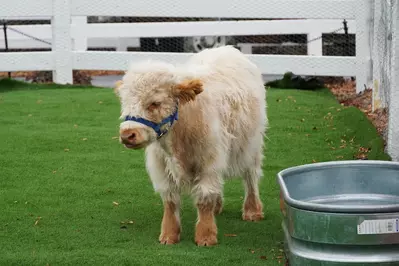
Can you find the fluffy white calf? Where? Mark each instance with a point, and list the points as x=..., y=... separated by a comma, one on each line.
x=199, y=123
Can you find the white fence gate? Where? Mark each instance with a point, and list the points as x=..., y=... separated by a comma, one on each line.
x=70, y=35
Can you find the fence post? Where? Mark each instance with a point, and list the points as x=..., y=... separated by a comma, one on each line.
x=61, y=45
x=363, y=50
x=6, y=41
x=315, y=47
x=379, y=48
x=393, y=123
x=79, y=38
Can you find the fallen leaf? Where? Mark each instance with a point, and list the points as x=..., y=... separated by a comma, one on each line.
x=84, y=139
x=363, y=149
x=122, y=222
x=230, y=235
x=100, y=102
x=115, y=137
x=66, y=150
x=263, y=257
x=37, y=220
x=361, y=156
x=75, y=126
x=54, y=171
x=130, y=222
x=115, y=203
x=314, y=161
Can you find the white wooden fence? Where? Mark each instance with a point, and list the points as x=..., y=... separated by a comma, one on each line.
x=120, y=36
x=69, y=37
x=62, y=59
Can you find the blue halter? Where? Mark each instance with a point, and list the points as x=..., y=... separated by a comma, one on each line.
x=157, y=127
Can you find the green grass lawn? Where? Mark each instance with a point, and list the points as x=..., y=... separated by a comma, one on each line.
x=60, y=160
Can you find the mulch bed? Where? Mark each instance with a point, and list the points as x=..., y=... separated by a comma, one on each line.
x=345, y=92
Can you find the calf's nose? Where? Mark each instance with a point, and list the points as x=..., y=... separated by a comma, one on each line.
x=129, y=136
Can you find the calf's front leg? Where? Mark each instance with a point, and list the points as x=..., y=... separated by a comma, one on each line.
x=170, y=194
x=170, y=228
x=207, y=196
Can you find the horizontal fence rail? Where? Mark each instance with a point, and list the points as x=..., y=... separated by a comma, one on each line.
x=330, y=9
x=268, y=64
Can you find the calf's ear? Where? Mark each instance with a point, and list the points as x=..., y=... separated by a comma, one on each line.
x=187, y=90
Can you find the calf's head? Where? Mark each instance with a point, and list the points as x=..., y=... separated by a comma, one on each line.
x=151, y=94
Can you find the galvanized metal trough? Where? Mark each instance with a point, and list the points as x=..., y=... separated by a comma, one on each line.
x=341, y=213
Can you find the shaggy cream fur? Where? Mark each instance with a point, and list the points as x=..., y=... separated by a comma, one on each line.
x=219, y=133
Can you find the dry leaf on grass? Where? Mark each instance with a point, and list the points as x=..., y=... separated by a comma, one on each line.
x=37, y=221
x=115, y=203
x=263, y=257
x=230, y=235
x=363, y=149
x=84, y=139
x=66, y=150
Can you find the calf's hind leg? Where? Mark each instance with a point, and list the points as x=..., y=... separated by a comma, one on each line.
x=252, y=208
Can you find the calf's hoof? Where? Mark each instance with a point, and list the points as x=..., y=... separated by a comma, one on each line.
x=252, y=216
x=253, y=212
x=206, y=235
x=206, y=240
x=169, y=239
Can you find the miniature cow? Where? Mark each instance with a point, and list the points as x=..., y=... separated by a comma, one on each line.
x=199, y=123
